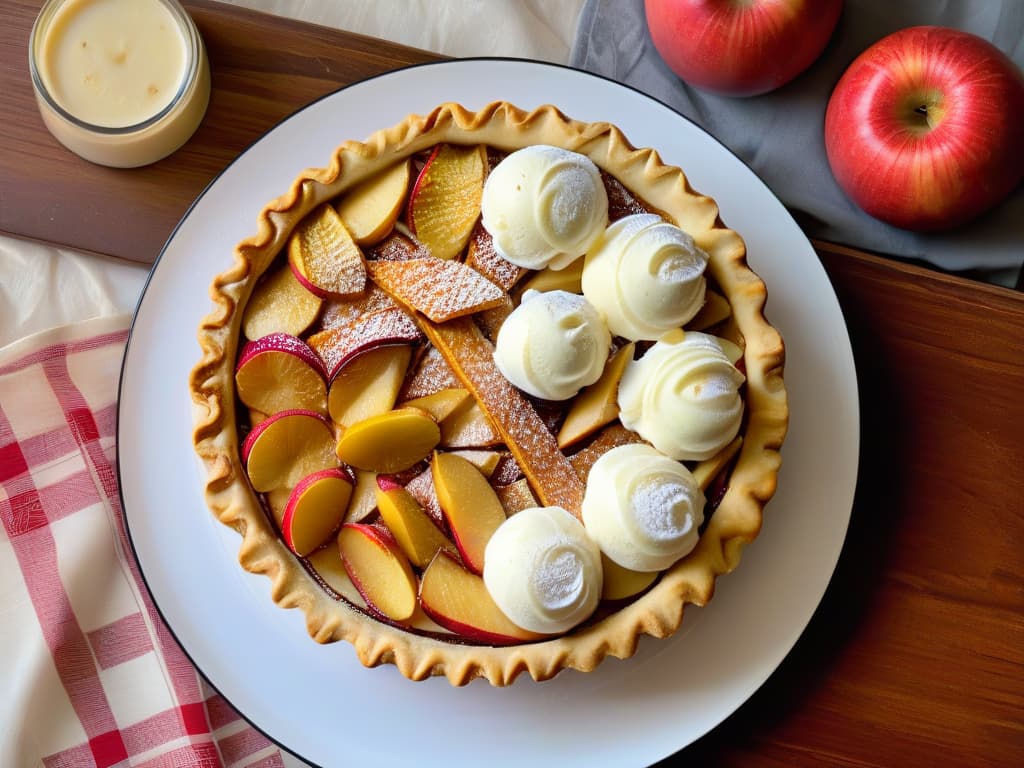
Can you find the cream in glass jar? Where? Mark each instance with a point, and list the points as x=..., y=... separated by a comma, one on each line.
x=120, y=82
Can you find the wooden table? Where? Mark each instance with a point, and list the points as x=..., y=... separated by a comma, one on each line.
x=916, y=654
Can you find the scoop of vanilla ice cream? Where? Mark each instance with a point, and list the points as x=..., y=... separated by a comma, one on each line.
x=642, y=508
x=553, y=344
x=646, y=276
x=544, y=206
x=683, y=397
x=542, y=570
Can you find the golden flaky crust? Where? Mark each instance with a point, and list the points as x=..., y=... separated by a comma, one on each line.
x=659, y=612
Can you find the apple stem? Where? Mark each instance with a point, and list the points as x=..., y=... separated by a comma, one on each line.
x=926, y=115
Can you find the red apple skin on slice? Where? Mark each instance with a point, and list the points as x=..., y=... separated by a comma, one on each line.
x=383, y=327
x=305, y=282
x=379, y=570
x=323, y=252
x=280, y=372
x=367, y=385
x=286, y=447
x=315, y=509
x=280, y=304
x=444, y=203
x=459, y=601
x=471, y=508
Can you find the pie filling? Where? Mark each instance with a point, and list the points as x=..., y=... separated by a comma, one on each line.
x=488, y=397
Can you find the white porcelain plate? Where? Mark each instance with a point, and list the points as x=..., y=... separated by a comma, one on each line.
x=318, y=701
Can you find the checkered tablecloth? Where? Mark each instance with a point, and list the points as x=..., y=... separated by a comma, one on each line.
x=89, y=674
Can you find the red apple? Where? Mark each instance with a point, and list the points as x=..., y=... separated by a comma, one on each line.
x=925, y=128
x=740, y=47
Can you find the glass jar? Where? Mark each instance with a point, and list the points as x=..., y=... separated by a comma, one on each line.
x=122, y=83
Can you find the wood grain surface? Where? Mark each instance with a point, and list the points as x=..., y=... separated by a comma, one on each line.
x=263, y=68
x=916, y=654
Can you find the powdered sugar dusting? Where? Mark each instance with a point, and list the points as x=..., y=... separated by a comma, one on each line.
x=335, y=345
x=342, y=311
x=515, y=497
x=440, y=289
x=660, y=507
x=485, y=259
x=431, y=375
x=397, y=247
x=534, y=447
x=421, y=488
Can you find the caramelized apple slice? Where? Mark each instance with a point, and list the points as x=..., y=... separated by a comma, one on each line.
x=491, y=320
x=441, y=290
x=280, y=372
x=620, y=583
x=280, y=304
x=336, y=346
x=732, y=350
x=369, y=210
x=485, y=461
x=412, y=528
x=715, y=310
x=482, y=256
x=389, y=443
x=471, y=507
x=398, y=246
x=621, y=202
x=421, y=487
x=326, y=562
x=611, y=436
x=431, y=374
x=459, y=601
x=322, y=251
x=569, y=279
x=339, y=311
x=515, y=497
x=708, y=470
x=378, y=569
x=277, y=500
x=285, y=447
x=315, y=508
x=472, y=357
x=364, y=496
x=440, y=404
x=445, y=201
x=368, y=384
x=597, y=404
x=468, y=427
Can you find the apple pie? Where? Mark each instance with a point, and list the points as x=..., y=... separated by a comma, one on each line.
x=491, y=392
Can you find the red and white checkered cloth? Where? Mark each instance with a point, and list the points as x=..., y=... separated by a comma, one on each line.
x=89, y=674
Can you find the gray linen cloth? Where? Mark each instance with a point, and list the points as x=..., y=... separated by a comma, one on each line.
x=780, y=134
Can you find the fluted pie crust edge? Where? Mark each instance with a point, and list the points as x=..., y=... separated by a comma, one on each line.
x=658, y=612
